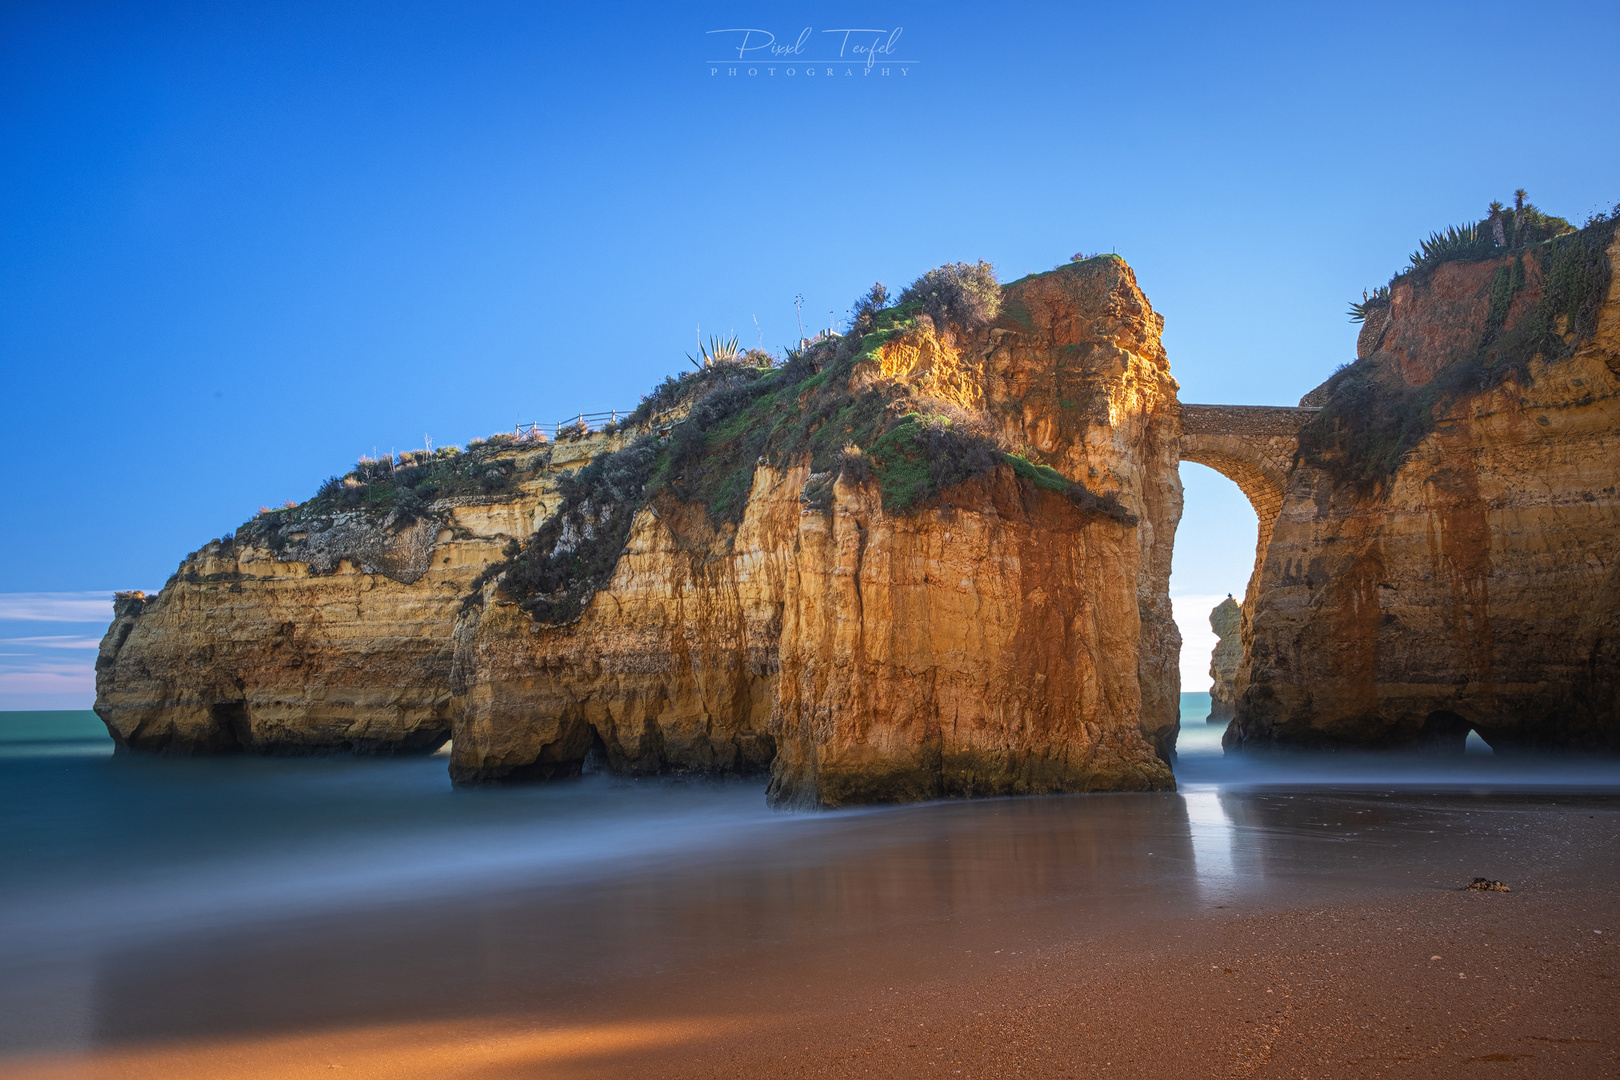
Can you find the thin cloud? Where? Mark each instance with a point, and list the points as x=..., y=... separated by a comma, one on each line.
x=53, y=641
x=48, y=682
x=57, y=606
x=26, y=662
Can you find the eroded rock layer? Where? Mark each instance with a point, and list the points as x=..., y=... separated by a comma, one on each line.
x=989, y=641
x=1476, y=584
x=328, y=630
x=883, y=627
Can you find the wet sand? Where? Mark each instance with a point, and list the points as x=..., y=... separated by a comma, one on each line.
x=1221, y=931
x=1523, y=986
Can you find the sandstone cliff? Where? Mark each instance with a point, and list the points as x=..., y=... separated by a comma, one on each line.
x=1448, y=553
x=1226, y=620
x=321, y=628
x=887, y=618
x=930, y=558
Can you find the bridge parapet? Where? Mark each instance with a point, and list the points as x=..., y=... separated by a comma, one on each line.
x=1244, y=419
x=1251, y=445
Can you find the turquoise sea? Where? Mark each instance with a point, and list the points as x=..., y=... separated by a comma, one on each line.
x=37, y=734
x=45, y=734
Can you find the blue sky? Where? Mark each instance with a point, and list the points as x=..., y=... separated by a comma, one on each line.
x=242, y=244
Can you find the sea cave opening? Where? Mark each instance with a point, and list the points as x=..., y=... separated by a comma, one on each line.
x=1448, y=734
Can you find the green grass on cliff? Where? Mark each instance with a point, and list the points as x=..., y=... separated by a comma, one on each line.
x=1501, y=232
x=398, y=489
x=1369, y=424
x=740, y=416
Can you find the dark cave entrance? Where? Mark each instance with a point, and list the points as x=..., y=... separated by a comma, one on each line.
x=1444, y=732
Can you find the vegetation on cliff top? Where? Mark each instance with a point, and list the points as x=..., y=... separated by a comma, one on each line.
x=1500, y=232
x=742, y=413
x=397, y=489
x=1370, y=424
x=702, y=435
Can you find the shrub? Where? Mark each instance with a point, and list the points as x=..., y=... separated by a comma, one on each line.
x=408, y=505
x=922, y=454
x=493, y=478
x=867, y=306
x=1367, y=428
x=965, y=292
x=573, y=555
x=665, y=396
x=854, y=465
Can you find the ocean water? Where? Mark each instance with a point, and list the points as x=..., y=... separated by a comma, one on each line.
x=160, y=899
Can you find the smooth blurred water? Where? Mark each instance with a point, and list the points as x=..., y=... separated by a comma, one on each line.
x=53, y=733
x=147, y=897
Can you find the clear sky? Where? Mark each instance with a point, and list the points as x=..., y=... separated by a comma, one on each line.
x=241, y=244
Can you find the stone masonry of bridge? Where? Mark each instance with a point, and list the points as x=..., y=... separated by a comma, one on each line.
x=1251, y=445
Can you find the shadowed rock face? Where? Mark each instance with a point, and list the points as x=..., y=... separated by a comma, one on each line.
x=999, y=637
x=1478, y=584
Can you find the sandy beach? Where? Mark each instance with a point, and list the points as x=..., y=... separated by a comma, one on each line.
x=1419, y=982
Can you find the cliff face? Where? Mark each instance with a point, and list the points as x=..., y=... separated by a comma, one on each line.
x=988, y=641
x=1076, y=370
x=918, y=614
x=321, y=631
x=985, y=647
x=1476, y=584
x=1226, y=620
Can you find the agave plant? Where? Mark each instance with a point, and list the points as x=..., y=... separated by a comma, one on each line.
x=719, y=351
x=1379, y=297
x=1457, y=242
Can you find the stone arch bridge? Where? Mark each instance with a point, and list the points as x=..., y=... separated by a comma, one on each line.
x=1251, y=445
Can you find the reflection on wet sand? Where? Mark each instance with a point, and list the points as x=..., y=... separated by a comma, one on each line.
x=608, y=916
x=828, y=898
x=424, y=1051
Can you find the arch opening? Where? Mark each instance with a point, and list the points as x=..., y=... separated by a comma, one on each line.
x=1211, y=562
x=1446, y=733
x=1253, y=447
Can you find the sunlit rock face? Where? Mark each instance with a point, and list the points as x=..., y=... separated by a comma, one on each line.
x=336, y=638
x=986, y=646
x=1478, y=583
x=1075, y=368
x=1226, y=620
x=1004, y=635
x=998, y=639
